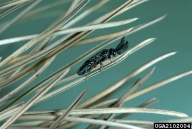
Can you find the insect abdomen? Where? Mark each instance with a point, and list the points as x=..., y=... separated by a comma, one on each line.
x=85, y=67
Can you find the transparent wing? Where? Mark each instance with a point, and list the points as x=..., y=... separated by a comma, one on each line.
x=121, y=43
x=122, y=46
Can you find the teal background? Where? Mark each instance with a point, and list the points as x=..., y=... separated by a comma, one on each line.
x=174, y=33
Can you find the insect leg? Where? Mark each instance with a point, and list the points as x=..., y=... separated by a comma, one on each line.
x=87, y=73
x=101, y=65
x=87, y=76
x=111, y=58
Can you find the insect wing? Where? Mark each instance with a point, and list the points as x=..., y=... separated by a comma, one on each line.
x=122, y=46
x=121, y=43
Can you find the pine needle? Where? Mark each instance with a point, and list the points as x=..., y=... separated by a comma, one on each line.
x=27, y=82
x=70, y=30
x=42, y=36
x=31, y=102
x=71, y=107
x=11, y=9
x=13, y=2
x=159, y=84
x=8, y=24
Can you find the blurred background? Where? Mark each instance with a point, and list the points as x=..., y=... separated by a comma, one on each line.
x=174, y=34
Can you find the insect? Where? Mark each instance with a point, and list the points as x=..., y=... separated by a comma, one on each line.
x=103, y=55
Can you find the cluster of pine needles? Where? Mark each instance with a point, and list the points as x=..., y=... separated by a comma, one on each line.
x=41, y=55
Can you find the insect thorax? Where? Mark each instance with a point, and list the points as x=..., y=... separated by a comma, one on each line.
x=112, y=52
